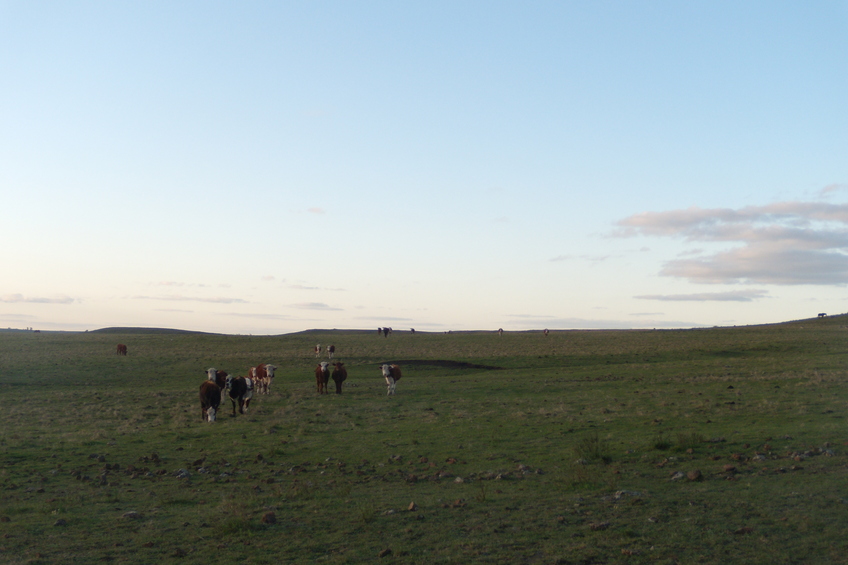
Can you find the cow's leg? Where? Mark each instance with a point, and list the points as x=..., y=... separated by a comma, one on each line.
x=390, y=383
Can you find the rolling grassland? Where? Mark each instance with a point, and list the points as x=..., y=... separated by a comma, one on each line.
x=723, y=445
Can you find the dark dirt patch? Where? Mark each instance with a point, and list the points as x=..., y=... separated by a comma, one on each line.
x=442, y=364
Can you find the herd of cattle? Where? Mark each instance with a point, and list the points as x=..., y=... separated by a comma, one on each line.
x=240, y=390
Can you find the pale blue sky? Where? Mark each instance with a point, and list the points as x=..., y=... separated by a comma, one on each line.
x=267, y=167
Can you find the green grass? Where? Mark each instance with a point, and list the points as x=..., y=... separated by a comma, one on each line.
x=514, y=449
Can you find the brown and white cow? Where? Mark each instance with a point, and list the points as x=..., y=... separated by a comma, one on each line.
x=262, y=376
x=392, y=375
x=500, y=332
x=339, y=375
x=240, y=390
x=121, y=349
x=217, y=377
x=318, y=350
x=210, y=400
x=322, y=376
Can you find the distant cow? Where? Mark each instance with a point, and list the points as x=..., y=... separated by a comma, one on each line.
x=121, y=349
x=210, y=400
x=322, y=376
x=318, y=350
x=217, y=377
x=821, y=315
x=392, y=375
x=331, y=349
x=412, y=330
x=386, y=332
x=240, y=390
x=546, y=331
x=500, y=332
x=339, y=375
x=262, y=375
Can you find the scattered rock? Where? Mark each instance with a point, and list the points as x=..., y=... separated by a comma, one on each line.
x=729, y=469
x=60, y=522
x=743, y=531
x=459, y=480
x=412, y=507
x=678, y=475
x=694, y=475
x=269, y=518
x=386, y=552
x=132, y=515
x=599, y=526
x=179, y=553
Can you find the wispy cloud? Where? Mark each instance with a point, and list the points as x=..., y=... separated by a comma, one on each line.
x=304, y=287
x=731, y=296
x=785, y=243
x=314, y=306
x=316, y=211
x=181, y=298
x=13, y=298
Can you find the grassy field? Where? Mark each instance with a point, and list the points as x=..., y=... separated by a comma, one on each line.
x=723, y=445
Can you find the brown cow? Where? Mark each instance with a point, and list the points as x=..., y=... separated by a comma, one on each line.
x=121, y=349
x=322, y=375
x=210, y=400
x=217, y=377
x=339, y=375
x=262, y=376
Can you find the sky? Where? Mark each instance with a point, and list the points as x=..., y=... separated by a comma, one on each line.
x=271, y=167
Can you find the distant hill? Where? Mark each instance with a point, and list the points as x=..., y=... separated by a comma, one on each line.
x=147, y=331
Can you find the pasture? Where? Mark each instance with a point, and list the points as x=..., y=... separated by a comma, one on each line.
x=695, y=446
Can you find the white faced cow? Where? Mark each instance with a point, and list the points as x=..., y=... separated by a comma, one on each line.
x=262, y=376
x=322, y=376
x=392, y=375
x=239, y=389
x=318, y=350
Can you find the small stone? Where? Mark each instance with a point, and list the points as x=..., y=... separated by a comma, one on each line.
x=678, y=475
x=412, y=507
x=694, y=475
x=132, y=515
x=386, y=552
x=269, y=518
x=60, y=522
x=599, y=526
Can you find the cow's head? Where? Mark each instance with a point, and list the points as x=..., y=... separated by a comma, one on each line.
x=210, y=414
x=229, y=384
x=269, y=370
x=211, y=374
